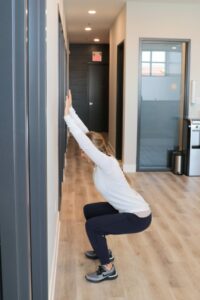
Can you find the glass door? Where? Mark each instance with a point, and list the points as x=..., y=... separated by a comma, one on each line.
x=161, y=107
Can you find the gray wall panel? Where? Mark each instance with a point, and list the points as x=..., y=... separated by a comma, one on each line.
x=14, y=189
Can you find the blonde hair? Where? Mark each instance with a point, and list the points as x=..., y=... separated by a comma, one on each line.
x=98, y=141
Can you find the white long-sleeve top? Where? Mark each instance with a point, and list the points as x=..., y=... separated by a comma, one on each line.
x=108, y=177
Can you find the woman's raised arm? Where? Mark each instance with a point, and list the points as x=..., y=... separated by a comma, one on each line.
x=70, y=110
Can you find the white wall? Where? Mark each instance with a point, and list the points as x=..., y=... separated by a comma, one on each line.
x=154, y=20
x=117, y=35
x=52, y=134
x=61, y=5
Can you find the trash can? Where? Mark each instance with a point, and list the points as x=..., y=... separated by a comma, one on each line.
x=177, y=162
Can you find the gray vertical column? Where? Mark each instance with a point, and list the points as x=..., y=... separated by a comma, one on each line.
x=14, y=169
x=38, y=148
x=1, y=291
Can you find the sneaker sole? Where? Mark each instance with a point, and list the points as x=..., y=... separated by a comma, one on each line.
x=112, y=277
x=93, y=258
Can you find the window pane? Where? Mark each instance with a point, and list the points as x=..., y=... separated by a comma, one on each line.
x=146, y=55
x=158, y=69
x=158, y=56
x=174, y=69
x=174, y=57
x=145, y=69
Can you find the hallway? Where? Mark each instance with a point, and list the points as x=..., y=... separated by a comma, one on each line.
x=49, y=47
x=160, y=263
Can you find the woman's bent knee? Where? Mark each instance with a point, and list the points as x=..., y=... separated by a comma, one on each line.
x=87, y=211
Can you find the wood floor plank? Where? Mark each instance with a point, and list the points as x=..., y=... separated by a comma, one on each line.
x=162, y=263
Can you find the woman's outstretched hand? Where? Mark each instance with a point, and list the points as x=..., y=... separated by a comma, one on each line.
x=68, y=103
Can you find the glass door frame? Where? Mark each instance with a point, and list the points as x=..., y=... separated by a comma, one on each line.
x=186, y=89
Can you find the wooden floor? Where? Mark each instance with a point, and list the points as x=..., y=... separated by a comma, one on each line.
x=162, y=263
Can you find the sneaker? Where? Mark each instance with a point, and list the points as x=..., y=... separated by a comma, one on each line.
x=102, y=274
x=92, y=255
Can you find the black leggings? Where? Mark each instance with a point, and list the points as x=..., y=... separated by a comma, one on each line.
x=103, y=219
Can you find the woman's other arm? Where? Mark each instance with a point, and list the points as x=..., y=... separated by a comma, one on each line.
x=99, y=158
x=74, y=115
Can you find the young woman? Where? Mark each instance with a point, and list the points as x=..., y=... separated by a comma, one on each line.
x=125, y=210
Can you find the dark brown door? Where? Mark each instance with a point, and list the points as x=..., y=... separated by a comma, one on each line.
x=98, y=97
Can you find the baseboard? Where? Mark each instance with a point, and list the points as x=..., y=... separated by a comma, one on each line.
x=129, y=168
x=54, y=263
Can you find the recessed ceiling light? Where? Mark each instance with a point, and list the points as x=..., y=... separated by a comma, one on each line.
x=173, y=47
x=88, y=28
x=96, y=40
x=91, y=12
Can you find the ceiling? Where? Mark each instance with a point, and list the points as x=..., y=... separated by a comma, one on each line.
x=77, y=17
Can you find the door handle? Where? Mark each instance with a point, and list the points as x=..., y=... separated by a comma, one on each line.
x=90, y=103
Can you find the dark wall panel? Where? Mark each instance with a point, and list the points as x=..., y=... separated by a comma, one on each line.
x=15, y=265
x=37, y=148
x=62, y=93
x=80, y=57
x=1, y=292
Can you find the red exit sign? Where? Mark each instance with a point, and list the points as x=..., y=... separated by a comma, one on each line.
x=96, y=56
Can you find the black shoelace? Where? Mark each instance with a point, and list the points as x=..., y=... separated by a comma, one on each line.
x=100, y=270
